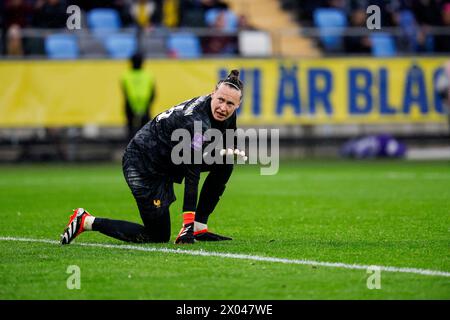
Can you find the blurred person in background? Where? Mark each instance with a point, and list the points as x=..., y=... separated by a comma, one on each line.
x=50, y=14
x=142, y=11
x=305, y=9
x=212, y=4
x=427, y=14
x=221, y=43
x=359, y=43
x=47, y=14
x=139, y=90
x=244, y=24
x=442, y=41
x=442, y=85
x=14, y=41
x=171, y=13
x=16, y=15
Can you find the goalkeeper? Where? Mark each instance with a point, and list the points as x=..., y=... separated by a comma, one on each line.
x=150, y=173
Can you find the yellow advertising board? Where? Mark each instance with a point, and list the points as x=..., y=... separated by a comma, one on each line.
x=277, y=92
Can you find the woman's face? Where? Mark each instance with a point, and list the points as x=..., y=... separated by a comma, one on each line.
x=224, y=101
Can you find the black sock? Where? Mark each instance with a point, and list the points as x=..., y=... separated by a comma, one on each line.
x=131, y=232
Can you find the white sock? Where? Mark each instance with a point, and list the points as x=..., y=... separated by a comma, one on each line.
x=88, y=221
x=199, y=226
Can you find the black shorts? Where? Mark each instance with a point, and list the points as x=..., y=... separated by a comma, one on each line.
x=153, y=192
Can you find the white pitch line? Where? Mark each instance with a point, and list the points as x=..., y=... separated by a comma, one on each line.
x=425, y=272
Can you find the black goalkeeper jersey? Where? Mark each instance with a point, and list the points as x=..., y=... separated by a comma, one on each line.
x=155, y=145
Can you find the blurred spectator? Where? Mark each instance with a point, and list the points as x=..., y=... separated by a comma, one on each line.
x=244, y=24
x=192, y=14
x=142, y=11
x=14, y=41
x=442, y=41
x=427, y=12
x=409, y=39
x=18, y=13
x=221, y=43
x=337, y=4
x=171, y=13
x=305, y=9
x=50, y=14
x=213, y=4
x=2, y=29
x=357, y=44
x=442, y=85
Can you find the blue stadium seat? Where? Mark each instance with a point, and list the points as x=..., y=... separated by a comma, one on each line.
x=103, y=21
x=383, y=44
x=61, y=46
x=231, y=20
x=330, y=23
x=184, y=45
x=121, y=46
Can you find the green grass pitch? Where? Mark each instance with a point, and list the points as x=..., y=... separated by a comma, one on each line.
x=387, y=213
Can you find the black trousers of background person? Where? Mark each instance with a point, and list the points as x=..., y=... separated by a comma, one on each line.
x=156, y=218
x=134, y=121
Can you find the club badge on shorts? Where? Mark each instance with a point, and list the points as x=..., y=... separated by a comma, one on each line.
x=157, y=203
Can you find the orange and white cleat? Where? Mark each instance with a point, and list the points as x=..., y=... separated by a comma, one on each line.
x=186, y=234
x=75, y=225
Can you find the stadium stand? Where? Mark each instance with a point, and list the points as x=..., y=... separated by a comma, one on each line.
x=416, y=27
x=303, y=28
x=195, y=29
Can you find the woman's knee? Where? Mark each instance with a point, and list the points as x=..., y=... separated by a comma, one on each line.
x=157, y=225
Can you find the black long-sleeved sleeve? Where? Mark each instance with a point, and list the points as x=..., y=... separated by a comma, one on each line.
x=191, y=182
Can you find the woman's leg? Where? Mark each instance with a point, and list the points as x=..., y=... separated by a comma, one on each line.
x=156, y=228
x=212, y=190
